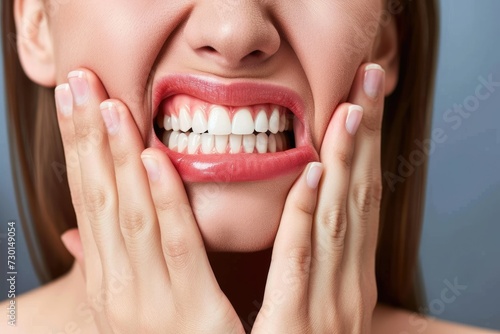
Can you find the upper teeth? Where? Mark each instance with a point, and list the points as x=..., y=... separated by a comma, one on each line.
x=245, y=120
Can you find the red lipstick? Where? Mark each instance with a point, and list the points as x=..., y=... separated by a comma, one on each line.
x=242, y=166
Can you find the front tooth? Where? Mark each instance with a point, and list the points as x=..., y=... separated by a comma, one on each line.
x=261, y=122
x=207, y=143
x=200, y=124
x=221, y=143
x=219, y=122
x=243, y=122
x=183, y=142
x=194, y=142
x=175, y=123
x=166, y=137
x=274, y=121
x=279, y=142
x=235, y=143
x=249, y=143
x=271, y=145
x=185, y=121
x=261, y=144
x=282, y=122
x=167, y=123
x=173, y=140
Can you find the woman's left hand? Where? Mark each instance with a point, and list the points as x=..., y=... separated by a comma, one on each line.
x=322, y=274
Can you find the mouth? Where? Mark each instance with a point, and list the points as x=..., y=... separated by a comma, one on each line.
x=242, y=131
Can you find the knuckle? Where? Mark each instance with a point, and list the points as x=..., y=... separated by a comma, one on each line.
x=97, y=200
x=167, y=203
x=176, y=251
x=335, y=222
x=345, y=159
x=372, y=123
x=121, y=157
x=298, y=263
x=367, y=195
x=134, y=223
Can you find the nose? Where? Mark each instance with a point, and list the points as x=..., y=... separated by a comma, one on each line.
x=232, y=33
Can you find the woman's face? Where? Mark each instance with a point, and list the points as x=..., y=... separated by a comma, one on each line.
x=308, y=51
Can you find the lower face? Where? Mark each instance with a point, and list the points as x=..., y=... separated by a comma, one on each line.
x=208, y=69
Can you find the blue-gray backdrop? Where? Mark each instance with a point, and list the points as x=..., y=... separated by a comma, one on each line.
x=460, y=238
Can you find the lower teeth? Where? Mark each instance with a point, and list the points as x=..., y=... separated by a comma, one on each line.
x=195, y=143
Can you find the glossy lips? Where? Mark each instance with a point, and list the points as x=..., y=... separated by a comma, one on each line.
x=215, y=127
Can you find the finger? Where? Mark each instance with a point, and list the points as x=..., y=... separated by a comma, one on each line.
x=288, y=279
x=137, y=213
x=64, y=105
x=331, y=220
x=96, y=169
x=366, y=186
x=190, y=273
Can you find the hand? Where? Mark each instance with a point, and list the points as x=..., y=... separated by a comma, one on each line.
x=145, y=264
x=322, y=274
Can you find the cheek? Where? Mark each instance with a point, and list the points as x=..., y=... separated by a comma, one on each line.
x=330, y=50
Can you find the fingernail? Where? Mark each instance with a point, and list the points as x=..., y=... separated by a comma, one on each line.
x=152, y=168
x=314, y=174
x=64, y=99
x=110, y=117
x=353, y=120
x=79, y=87
x=373, y=80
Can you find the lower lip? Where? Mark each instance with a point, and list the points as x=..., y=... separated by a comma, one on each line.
x=238, y=167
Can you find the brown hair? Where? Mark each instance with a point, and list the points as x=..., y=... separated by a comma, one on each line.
x=43, y=194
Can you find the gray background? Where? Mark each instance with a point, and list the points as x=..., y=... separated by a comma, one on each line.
x=461, y=227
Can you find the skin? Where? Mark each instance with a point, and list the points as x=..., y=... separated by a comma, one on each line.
x=321, y=278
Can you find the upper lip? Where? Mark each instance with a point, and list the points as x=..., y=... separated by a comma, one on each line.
x=233, y=93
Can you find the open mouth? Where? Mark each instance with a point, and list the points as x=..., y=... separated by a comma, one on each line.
x=189, y=125
x=230, y=132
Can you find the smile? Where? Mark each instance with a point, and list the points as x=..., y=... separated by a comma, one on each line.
x=215, y=132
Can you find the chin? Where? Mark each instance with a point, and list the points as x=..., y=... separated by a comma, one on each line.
x=239, y=217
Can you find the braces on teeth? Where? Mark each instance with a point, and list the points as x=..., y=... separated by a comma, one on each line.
x=219, y=134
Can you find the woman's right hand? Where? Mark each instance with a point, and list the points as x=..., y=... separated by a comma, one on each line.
x=145, y=264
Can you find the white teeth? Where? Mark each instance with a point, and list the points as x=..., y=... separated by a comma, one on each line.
x=184, y=119
x=274, y=121
x=279, y=143
x=219, y=122
x=194, y=142
x=173, y=140
x=243, y=122
x=249, y=143
x=282, y=122
x=271, y=144
x=261, y=143
x=221, y=143
x=166, y=137
x=200, y=124
x=175, y=123
x=167, y=123
x=182, y=142
x=235, y=143
x=261, y=122
x=207, y=143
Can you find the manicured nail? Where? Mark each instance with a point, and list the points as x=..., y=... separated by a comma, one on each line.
x=152, y=168
x=314, y=174
x=372, y=85
x=110, y=117
x=64, y=99
x=353, y=120
x=79, y=87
